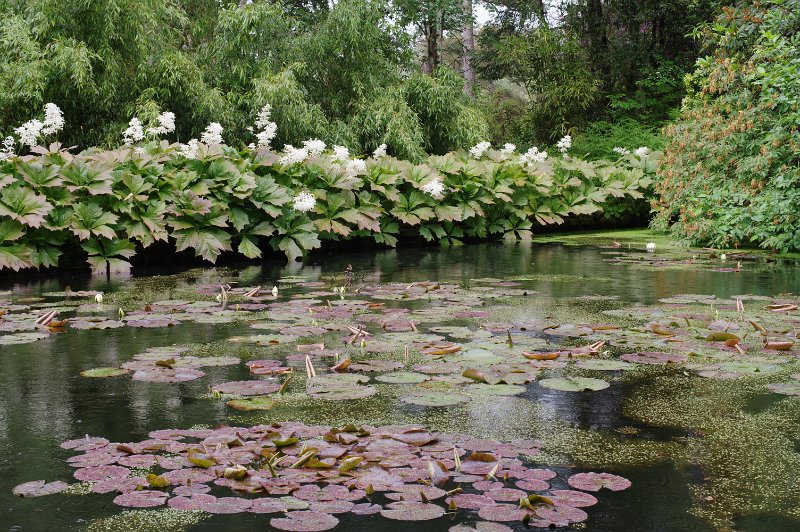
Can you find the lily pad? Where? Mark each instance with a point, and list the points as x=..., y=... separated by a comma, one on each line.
x=785, y=388
x=402, y=377
x=603, y=364
x=434, y=399
x=103, y=372
x=574, y=384
x=341, y=393
x=247, y=387
x=252, y=403
x=412, y=511
x=39, y=488
x=304, y=521
x=141, y=499
x=598, y=481
x=654, y=357
x=496, y=389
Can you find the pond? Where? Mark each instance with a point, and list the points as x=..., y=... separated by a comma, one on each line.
x=704, y=421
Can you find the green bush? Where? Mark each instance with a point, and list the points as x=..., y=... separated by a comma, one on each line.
x=598, y=139
x=212, y=198
x=731, y=168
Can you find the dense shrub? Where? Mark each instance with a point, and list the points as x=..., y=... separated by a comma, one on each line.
x=214, y=198
x=731, y=169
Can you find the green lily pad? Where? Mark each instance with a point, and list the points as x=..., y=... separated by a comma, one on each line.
x=574, y=384
x=402, y=377
x=252, y=403
x=603, y=364
x=497, y=389
x=103, y=372
x=434, y=399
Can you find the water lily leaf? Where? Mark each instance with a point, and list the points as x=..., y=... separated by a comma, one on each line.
x=598, y=481
x=502, y=513
x=141, y=499
x=470, y=501
x=481, y=526
x=39, y=488
x=496, y=389
x=102, y=472
x=575, y=384
x=22, y=338
x=252, y=403
x=575, y=499
x=167, y=375
x=434, y=399
x=412, y=511
x=402, y=377
x=157, y=481
x=603, y=364
x=366, y=508
x=654, y=357
x=103, y=372
x=785, y=388
x=559, y=516
x=342, y=392
x=721, y=337
x=304, y=521
x=247, y=387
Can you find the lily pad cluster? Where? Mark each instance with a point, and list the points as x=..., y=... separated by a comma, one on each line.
x=303, y=476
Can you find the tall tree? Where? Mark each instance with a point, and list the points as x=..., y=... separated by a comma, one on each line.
x=468, y=42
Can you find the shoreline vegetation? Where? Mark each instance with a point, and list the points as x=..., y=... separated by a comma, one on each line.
x=211, y=198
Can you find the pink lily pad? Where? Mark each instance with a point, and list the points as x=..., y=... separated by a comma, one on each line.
x=502, y=513
x=481, y=526
x=167, y=375
x=85, y=444
x=141, y=499
x=470, y=501
x=598, y=481
x=103, y=472
x=366, y=508
x=304, y=521
x=576, y=499
x=561, y=515
x=120, y=485
x=247, y=387
x=533, y=485
x=412, y=511
x=39, y=488
x=505, y=494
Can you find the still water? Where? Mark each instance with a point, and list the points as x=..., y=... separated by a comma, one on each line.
x=44, y=400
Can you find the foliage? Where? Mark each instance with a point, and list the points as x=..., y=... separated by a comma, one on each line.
x=598, y=139
x=117, y=201
x=731, y=174
x=326, y=69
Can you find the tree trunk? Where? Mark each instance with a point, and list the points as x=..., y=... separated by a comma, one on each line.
x=468, y=38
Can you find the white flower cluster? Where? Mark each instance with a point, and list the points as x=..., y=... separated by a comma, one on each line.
x=30, y=131
x=340, y=154
x=641, y=151
x=564, y=144
x=7, y=151
x=531, y=156
x=134, y=133
x=355, y=167
x=304, y=202
x=189, y=150
x=53, y=119
x=622, y=151
x=267, y=129
x=479, y=149
x=379, y=152
x=212, y=134
x=434, y=187
x=314, y=146
x=166, y=124
x=292, y=155
x=508, y=149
